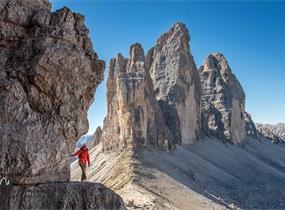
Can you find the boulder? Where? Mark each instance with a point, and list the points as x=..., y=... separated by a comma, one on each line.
x=65, y=195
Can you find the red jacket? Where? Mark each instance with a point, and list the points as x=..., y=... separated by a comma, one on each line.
x=83, y=155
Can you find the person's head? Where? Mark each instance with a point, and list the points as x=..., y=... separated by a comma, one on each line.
x=84, y=146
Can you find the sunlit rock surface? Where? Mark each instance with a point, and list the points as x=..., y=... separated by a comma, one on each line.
x=134, y=117
x=176, y=83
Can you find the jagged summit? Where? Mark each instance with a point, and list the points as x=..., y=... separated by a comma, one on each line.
x=177, y=32
x=136, y=53
x=177, y=29
x=214, y=61
x=134, y=118
x=181, y=29
x=223, y=100
x=168, y=70
x=218, y=62
x=176, y=83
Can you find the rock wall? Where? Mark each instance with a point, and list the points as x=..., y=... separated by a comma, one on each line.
x=176, y=83
x=134, y=117
x=223, y=100
x=97, y=136
x=48, y=77
x=250, y=127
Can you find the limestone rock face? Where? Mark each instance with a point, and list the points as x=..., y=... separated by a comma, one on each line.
x=70, y=195
x=223, y=100
x=48, y=77
x=96, y=136
x=134, y=117
x=176, y=83
x=250, y=128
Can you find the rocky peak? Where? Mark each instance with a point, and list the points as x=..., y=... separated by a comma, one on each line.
x=177, y=32
x=96, y=136
x=136, y=53
x=218, y=65
x=216, y=60
x=176, y=83
x=223, y=100
x=134, y=117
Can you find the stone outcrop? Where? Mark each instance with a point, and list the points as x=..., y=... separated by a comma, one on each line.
x=96, y=136
x=68, y=195
x=134, y=117
x=250, y=128
x=49, y=73
x=176, y=83
x=223, y=100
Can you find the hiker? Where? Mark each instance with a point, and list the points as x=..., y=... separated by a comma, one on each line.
x=83, y=156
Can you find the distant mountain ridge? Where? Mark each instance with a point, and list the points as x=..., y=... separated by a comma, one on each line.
x=274, y=132
x=176, y=137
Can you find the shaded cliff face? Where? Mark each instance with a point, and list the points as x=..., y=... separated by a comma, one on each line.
x=176, y=83
x=134, y=117
x=48, y=76
x=223, y=100
x=96, y=136
x=250, y=127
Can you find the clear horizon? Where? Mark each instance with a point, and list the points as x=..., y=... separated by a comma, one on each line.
x=251, y=35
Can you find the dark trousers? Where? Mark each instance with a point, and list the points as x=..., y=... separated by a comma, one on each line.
x=83, y=168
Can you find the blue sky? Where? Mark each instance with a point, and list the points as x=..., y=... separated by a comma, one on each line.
x=250, y=34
